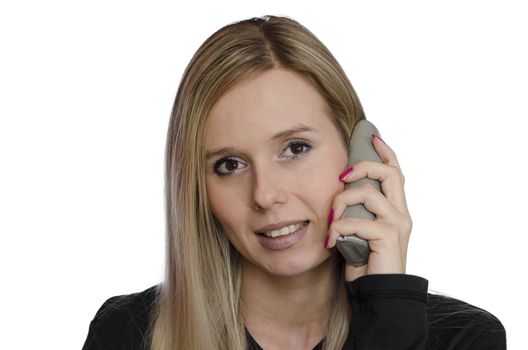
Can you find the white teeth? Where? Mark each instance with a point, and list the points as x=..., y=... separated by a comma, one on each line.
x=286, y=230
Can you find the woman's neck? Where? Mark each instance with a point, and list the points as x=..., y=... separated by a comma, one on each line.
x=287, y=312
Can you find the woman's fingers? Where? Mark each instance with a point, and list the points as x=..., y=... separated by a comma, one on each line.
x=387, y=155
x=390, y=178
x=373, y=200
x=384, y=240
x=385, y=152
x=388, y=235
x=370, y=230
x=388, y=173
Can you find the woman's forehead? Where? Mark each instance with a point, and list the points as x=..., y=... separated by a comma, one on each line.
x=269, y=103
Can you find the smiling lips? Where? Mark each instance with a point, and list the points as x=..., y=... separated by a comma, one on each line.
x=285, y=230
x=285, y=241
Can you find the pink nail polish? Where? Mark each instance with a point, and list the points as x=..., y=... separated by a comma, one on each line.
x=331, y=217
x=374, y=135
x=345, y=173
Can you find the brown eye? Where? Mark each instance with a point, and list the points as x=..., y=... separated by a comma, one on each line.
x=297, y=148
x=227, y=166
x=231, y=165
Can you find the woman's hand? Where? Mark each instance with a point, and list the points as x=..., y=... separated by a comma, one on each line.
x=388, y=234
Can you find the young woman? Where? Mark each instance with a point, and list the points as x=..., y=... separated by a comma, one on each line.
x=256, y=167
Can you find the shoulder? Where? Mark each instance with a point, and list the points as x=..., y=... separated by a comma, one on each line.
x=455, y=323
x=122, y=321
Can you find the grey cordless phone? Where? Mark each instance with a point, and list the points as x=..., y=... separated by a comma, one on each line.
x=356, y=250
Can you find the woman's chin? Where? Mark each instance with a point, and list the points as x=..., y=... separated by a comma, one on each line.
x=294, y=266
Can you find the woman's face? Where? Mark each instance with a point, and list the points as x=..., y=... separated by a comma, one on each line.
x=272, y=173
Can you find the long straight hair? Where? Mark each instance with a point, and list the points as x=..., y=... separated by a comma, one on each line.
x=198, y=304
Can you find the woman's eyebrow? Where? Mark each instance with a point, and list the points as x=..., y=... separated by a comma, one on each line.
x=296, y=129
x=280, y=135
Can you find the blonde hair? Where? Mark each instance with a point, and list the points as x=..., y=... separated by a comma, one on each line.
x=198, y=306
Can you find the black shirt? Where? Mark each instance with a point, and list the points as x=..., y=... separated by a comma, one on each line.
x=392, y=311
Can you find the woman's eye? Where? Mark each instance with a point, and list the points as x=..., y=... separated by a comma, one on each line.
x=297, y=148
x=229, y=166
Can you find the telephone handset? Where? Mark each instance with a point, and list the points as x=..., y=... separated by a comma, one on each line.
x=356, y=250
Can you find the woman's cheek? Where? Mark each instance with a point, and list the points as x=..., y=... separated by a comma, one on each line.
x=215, y=199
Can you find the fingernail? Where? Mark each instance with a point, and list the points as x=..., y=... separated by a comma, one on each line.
x=374, y=135
x=345, y=174
x=326, y=241
x=331, y=217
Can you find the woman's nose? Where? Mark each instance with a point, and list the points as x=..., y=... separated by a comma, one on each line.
x=269, y=189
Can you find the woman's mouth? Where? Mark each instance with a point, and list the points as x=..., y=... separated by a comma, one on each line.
x=286, y=230
x=284, y=238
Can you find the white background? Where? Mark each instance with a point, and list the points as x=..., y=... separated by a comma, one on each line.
x=86, y=90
